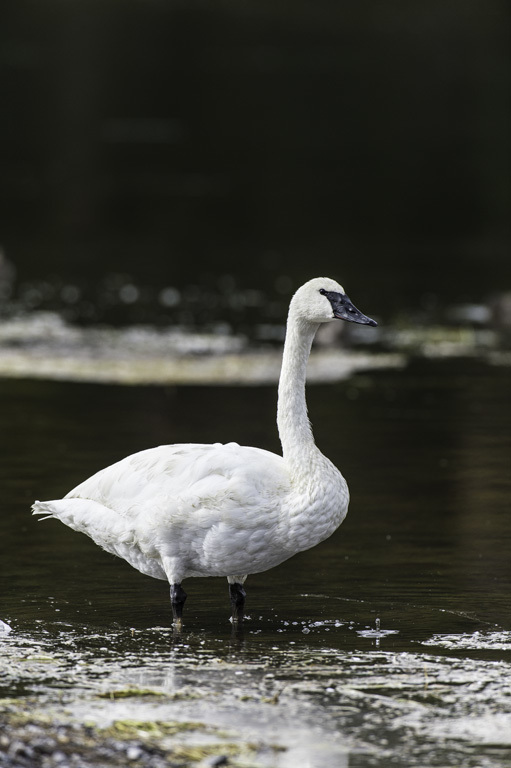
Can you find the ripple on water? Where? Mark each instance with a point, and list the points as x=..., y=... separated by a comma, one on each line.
x=319, y=703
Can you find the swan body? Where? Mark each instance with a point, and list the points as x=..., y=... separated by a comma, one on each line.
x=177, y=511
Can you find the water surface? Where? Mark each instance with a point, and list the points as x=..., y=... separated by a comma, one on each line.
x=388, y=644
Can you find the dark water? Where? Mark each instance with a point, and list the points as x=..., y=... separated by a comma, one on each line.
x=181, y=142
x=424, y=550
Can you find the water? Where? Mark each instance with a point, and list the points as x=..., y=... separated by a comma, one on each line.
x=388, y=644
x=244, y=141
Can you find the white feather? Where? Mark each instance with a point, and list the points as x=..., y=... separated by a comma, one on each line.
x=221, y=510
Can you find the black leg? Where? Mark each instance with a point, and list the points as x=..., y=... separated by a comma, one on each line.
x=237, y=594
x=177, y=600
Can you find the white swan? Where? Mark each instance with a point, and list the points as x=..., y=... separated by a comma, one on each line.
x=223, y=510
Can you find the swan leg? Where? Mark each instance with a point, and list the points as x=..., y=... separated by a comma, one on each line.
x=237, y=595
x=177, y=600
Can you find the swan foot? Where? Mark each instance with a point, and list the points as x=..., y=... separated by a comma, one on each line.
x=177, y=601
x=237, y=595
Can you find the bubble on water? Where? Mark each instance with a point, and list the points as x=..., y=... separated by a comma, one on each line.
x=377, y=633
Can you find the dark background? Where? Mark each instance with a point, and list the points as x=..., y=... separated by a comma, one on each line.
x=234, y=145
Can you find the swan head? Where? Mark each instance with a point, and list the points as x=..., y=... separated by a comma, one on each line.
x=322, y=300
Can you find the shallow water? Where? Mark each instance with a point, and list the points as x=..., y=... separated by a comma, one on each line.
x=315, y=679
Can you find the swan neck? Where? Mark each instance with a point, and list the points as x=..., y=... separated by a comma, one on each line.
x=292, y=420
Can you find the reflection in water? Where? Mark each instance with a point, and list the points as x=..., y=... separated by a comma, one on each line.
x=423, y=549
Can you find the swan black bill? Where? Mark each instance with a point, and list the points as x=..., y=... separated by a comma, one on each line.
x=344, y=309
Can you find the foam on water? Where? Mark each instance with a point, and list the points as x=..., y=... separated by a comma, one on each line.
x=403, y=706
x=477, y=641
x=4, y=627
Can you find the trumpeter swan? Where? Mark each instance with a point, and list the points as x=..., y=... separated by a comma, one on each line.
x=223, y=510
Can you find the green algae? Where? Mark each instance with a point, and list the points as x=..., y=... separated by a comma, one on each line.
x=147, y=693
x=153, y=728
x=128, y=693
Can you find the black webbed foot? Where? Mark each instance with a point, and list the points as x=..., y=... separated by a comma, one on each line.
x=237, y=595
x=177, y=600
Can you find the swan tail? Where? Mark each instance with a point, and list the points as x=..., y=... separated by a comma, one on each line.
x=43, y=508
x=80, y=514
x=110, y=530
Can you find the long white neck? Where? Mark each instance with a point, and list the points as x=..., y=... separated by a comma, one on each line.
x=294, y=427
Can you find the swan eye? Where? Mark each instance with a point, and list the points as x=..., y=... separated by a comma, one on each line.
x=322, y=291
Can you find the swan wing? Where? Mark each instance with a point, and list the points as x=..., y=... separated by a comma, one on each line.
x=214, y=509
x=188, y=475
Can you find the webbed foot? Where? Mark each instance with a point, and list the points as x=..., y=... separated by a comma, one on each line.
x=237, y=595
x=177, y=601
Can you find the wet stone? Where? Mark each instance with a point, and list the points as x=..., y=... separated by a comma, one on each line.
x=134, y=753
x=60, y=758
x=20, y=750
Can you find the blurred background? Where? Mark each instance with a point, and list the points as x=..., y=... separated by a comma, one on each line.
x=192, y=162
x=170, y=172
